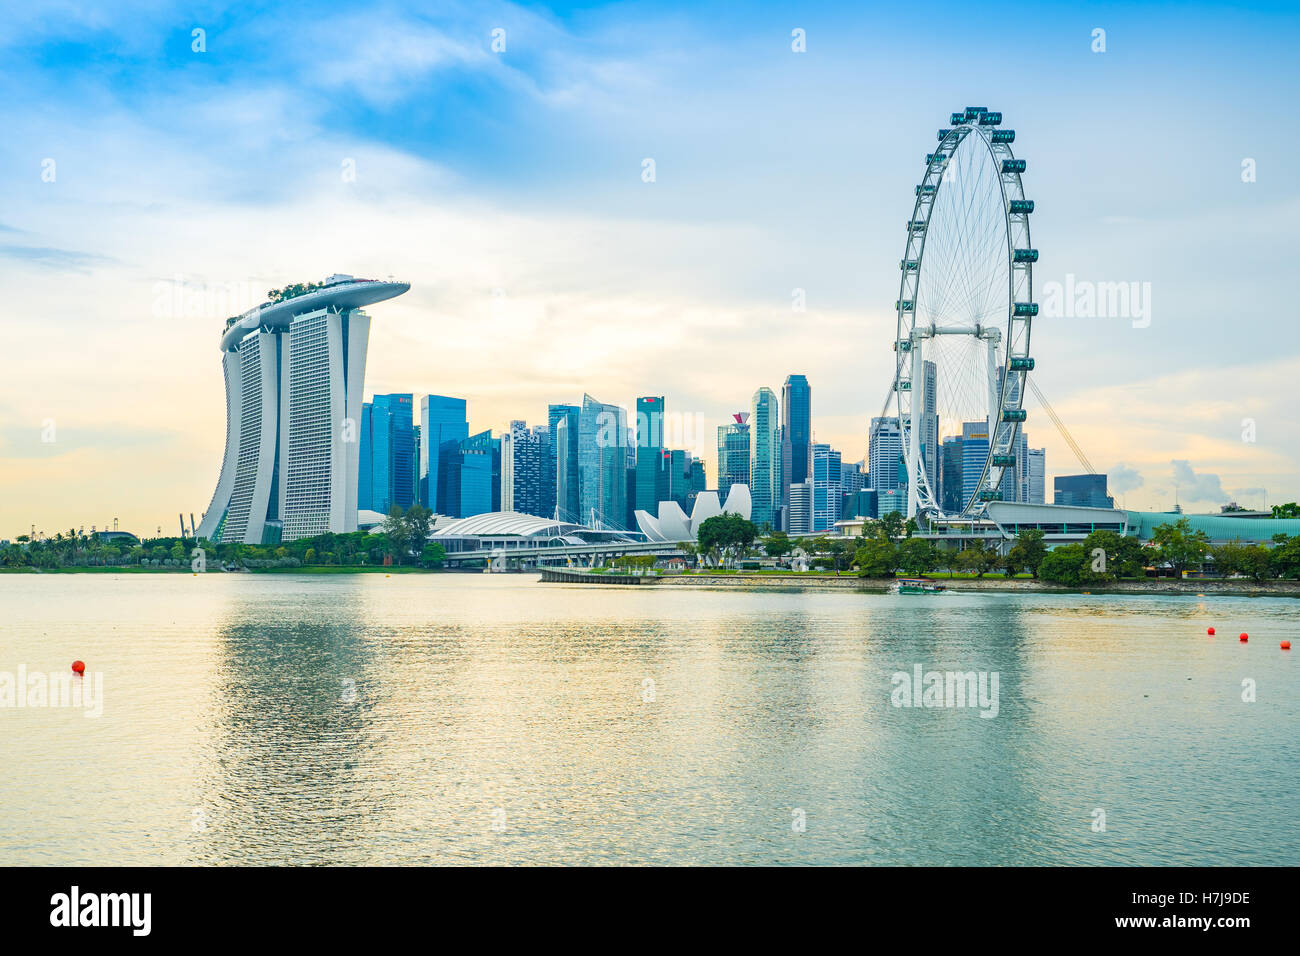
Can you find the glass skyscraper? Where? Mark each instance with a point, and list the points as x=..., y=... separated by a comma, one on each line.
x=602, y=464
x=733, y=454
x=564, y=461
x=885, y=451
x=796, y=433
x=974, y=452
x=826, y=482
x=443, y=426
x=652, y=468
x=388, y=453
x=764, y=458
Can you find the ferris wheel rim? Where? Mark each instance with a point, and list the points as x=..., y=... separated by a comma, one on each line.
x=1014, y=328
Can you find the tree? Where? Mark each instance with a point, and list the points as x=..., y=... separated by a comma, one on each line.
x=892, y=526
x=1028, y=552
x=1064, y=565
x=778, y=544
x=418, y=521
x=1178, y=544
x=398, y=533
x=1288, y=510
x=433, y=555
x=726, y=535
x=876, y=558
x=916, y=556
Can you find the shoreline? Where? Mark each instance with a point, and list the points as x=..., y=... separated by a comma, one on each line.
x=1275, y=588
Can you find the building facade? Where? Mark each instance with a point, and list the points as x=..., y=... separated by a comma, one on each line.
x=602, y=464
x=733, y=454
x=796, y=433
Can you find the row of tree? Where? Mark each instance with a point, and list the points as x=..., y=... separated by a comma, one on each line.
x=403, y=540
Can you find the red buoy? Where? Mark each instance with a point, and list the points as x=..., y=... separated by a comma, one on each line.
x=1286, y=645
x=1209, y=630
x=79, y=667
x=1244, y=637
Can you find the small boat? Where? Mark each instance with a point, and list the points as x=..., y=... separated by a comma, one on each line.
x=917, y=586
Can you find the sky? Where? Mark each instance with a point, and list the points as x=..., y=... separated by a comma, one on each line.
x=155, y=179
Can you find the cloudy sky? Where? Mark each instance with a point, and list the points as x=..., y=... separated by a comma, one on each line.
x=148, y=189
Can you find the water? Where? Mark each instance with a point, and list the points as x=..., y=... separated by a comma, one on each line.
x=495, y=719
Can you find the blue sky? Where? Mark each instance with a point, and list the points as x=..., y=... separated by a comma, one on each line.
x=506, y=187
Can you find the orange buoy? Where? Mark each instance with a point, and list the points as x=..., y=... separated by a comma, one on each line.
x=1286, y=645
x=1209, y=630
x=1244, y=637
x=78, y=667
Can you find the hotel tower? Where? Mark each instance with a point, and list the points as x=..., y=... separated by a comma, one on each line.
x=294, y=372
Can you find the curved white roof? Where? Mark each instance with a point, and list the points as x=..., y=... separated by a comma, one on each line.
x=506, y=523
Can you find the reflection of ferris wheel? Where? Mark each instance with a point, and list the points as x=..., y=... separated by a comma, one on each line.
x=965, y=307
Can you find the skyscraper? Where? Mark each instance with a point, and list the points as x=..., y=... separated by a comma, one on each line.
x=478, y=475
x=388, y=464
x=564, y=470
x=523, y=452
x=1036, y=476
x=796, y=432
x=652, y=469
x=950, y=480
x=826, y=483
x=602, y=463
x=733, y=454
x=885, y=450
x=974, y=453
x=800, y=519
x=764, y=458
x=443, y=426
x=294, y=371
x=930, y=425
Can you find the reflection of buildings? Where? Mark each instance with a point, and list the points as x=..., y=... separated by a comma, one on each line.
x=294, y=372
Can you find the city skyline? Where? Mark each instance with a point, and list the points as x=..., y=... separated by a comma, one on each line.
x=541, y=271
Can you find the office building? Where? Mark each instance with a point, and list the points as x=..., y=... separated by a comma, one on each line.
x=602, y=464
x=733, y=454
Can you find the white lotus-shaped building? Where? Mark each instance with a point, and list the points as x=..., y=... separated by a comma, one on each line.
x=672, y=524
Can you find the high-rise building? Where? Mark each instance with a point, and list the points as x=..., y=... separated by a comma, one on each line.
x=1036, y=476
x=826, y=468
x=1084, y=491
x=294, y=372
x=796, y=432
x=564, y=470
x=523, y=452
x=652, y=468
x=764, y=458
x=479, y=475
x=929, y=438
x=974, y=453
x=602, y=464
x=388, y=454
x=884, y=452
x=443, y=426
x=950, y=476
x=800, y=517
x=889, y=502
x=733, y=454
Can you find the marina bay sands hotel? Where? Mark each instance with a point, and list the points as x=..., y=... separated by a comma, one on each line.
x=294, y=370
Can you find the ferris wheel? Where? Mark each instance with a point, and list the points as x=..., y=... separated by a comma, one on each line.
x=965, y=308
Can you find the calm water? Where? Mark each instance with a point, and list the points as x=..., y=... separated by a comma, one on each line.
x=493, y=719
